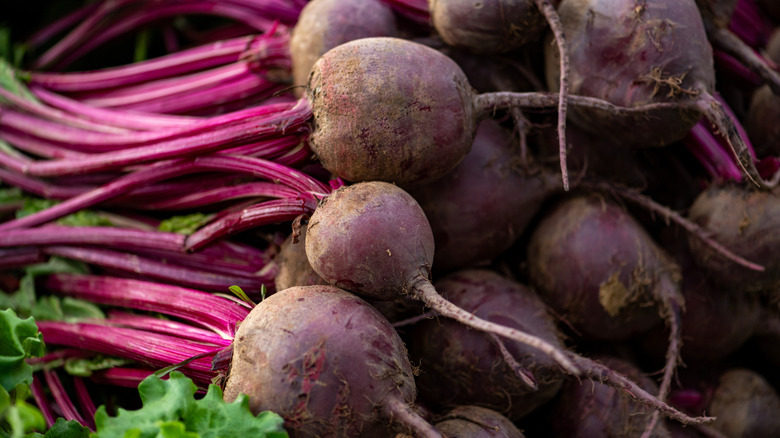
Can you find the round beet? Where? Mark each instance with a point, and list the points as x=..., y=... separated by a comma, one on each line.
x=390, y=110
x=294, y=267
x=485, y=203
x=327, y=362
x=599, y=269
x=476, y=422
x=745, y=405
x=745, y=222
x=373, y=239
x=644, y=53
x=325, y=24
x=459, y=365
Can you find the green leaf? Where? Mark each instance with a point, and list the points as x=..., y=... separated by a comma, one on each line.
x=64, y=429
x=25, y=299
x=11, y=195
x=86, y=365
x=184, y=224
x=68, y=309
x=19, y=339
x=170, y=404
x=81, y=218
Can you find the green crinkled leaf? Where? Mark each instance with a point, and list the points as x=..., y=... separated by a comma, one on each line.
x=172, y=402
x=64, y=429
x=11, y=195
x=25, y=301
x=19, y=339
x=81, y=218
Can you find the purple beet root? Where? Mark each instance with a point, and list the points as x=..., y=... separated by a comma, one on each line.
x=485, y=203
x=373, y=239
x=294, y=267
x=328, y=363
x=460, y=365
x=745, y=222
x=745, y=405
x=598, y=269
x=588, y=409
x=325, y=24
x=476, y=422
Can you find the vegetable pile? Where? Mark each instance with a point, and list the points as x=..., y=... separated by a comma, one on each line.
x=377, y=218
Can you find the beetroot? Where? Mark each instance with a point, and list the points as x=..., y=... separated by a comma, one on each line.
x=460, y=365
x=485, y=203
x=324, y=24
x=294, y=267
x=599, y=269
x=745, y=405
x=653, y=52
x=373, y=239
x=327, y=362
x=477, y=422
x=745, y=222
x=592, y=409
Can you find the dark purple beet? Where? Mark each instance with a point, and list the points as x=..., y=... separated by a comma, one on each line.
x=373, y=239
x=745, y=222
x=325, y=24
x=485, y=204
x=356, y=91
x=644, y=53
x=745, y=405
x=460, y=365
x=327, y=362
x=294, y=267
x=715, y=323
x=476, y=422
x=587, y=409
x=488, y=26
x=595, y=265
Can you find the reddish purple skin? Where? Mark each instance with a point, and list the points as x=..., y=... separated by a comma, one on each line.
x=325, y=24
x=477, y=422
x=322, y=358
x=715, y=323
x=370, y=238
x=487, y=26
x=614, y=46
x=485, y=204
x=586, y=256
x=463, y=366
x=294, y=267
x=744, y=221
x=587, y=409
x=387, y=109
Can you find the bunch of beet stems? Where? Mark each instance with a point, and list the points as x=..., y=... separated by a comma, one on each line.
x=233, y=74
x=716, y=157
x=735, y=44
x=48, y=378
x=141, y=253
x=201, y=325
x=100, y=22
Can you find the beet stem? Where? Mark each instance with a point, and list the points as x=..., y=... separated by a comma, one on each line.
x=423, y=290
x=602, y=373
x=520, y=372
x=554, y=21
x=714, y=112
x=669, y=214
x=725, y=40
